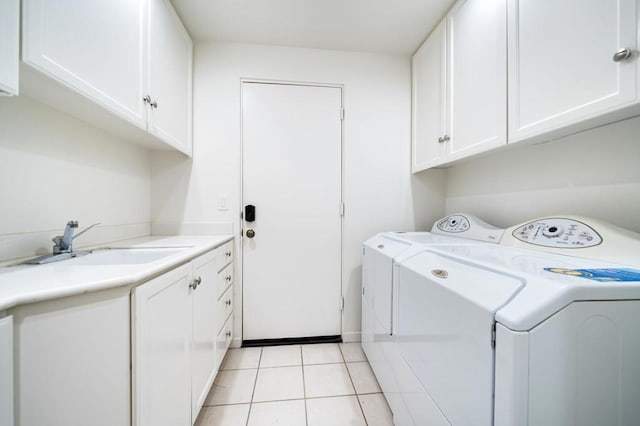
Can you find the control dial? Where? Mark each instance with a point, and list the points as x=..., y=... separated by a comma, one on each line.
x=454, y=224
x=558, y=232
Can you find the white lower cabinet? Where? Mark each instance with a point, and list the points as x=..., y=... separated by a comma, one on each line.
x=72, y=361
x=162, y=340
x=178, y=342
x=6, y=371
x=205, y=312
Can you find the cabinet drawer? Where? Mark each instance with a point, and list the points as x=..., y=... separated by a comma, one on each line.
x=223, y=341
x=225, y=254
x=225, y=307
x=225, y=279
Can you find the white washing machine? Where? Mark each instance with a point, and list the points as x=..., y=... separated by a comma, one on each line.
x=542, y=329
x=379, y=255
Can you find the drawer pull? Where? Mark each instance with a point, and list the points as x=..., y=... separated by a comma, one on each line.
x=228, y=302
x=195, y=283
x=621, y=55
x=228, y=278
x=228, y=334
x=228, y=253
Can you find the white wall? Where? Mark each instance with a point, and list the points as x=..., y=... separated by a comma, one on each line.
x=593, y=173
x=54, y=168
x=379, y=192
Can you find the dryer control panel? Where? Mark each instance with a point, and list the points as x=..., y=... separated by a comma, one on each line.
x=584, y=237
x=558, y=232
x=467, y=226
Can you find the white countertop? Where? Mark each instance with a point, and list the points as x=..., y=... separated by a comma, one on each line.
x=24, y=284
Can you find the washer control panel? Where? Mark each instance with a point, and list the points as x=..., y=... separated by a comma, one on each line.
x=467, y=226
x=453, y=224
x=558, y=232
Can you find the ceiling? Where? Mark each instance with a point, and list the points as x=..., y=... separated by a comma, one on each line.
x=382, y=26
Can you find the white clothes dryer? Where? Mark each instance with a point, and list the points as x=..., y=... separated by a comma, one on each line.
x=379, y=255
x=542, y=329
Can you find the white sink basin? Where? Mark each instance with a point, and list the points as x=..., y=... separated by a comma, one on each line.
x=132, y=256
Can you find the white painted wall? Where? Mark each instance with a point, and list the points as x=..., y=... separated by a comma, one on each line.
x=593, y=173
x=54, y=168
x=379, y=192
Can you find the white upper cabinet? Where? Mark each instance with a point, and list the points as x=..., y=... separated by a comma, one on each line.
x=9, y=46
x=565, y=74
x=429, y=85
x=169, y=76
x=459, y=85
x=95, y=47
x=123, y=65
x=477, y=76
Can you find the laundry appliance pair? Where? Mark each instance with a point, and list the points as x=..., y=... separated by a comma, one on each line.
x=538, y=324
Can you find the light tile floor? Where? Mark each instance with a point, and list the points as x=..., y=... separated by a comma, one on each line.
x=299, y=385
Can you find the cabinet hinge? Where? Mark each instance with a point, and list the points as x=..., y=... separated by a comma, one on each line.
x=242, y=232
x=493, y=335
x=341, y=113
x=341, y=209
x=341, y=304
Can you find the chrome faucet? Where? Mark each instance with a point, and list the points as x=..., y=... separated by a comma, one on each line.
x=64, y=243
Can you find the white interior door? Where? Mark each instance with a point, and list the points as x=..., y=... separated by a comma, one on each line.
x=292, y=175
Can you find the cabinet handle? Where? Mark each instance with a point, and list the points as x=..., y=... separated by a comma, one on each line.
x=446, y=138
x=228, y=302
x=228, y=278
x=195, y=283
x=228, y=254
x=154, y=104
x=228, y=334
x=147, y=99
x=621, y=55
x=440, y=140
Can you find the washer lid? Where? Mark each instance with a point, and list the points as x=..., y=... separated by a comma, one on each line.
x=485, y=288
x=551, y=281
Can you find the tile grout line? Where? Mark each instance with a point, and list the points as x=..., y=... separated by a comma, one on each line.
x=354, y=387
x=255, y=382
x=304, y=389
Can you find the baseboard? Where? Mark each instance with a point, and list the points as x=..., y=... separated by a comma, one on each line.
x=352, y=337
x=291, y=341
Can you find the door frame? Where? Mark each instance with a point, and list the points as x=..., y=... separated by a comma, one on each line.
x=240, y=229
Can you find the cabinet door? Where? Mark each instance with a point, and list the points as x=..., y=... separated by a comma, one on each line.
x=162, y=327
x=6, y=371
x=204, y=299
x=428, y=121
x=73, y=360
x=9, y=46
x=561, y=67
x=92, y=46
x=169, y=76
x=477, y=76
